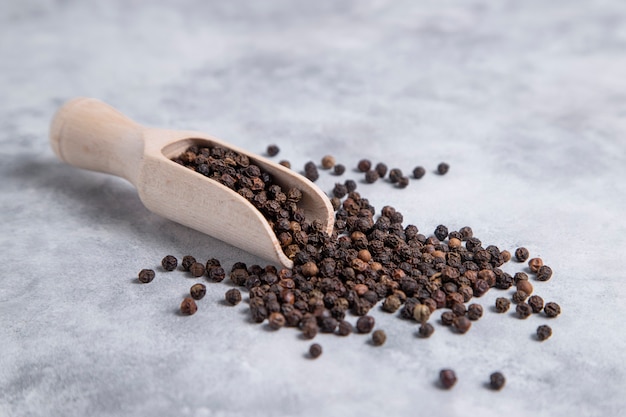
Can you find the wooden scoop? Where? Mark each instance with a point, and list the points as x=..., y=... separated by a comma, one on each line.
x=90, y=134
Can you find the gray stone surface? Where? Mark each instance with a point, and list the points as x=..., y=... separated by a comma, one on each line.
x=525, y=100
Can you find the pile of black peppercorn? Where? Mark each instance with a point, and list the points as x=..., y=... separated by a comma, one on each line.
x=366, y=260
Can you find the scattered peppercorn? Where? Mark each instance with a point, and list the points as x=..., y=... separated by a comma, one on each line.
x=340, y=190
x=497, y=381
x=371, y=176
x=379, y=337
x=344, y=328
x=403, y=182
x=544, y=273
x=381, y=169
x=447, y=318
x=197, y=269
x=519, y=296
x=315, y=350
x=169, y=263
x=552, y=309
x=425, y=330
x=145, y=276
x=441, y=232
x=188, y=260
x=310, y=171
x=421, y=313
x=536, y=303
x=502, y=304
x=233, y=296
x=544, y=332
x=521, y=254
x=534, y=264
x=443, y=168
x=364, y=165
x=391, y=304
x=276, y=320
x=506, y=255
x=418, y=172
x=520, y=276
x=474, y=312
x=350, y=185
x=285, y=163
x=339, y=169
x=395, y=174
x=217, y=274
x=272, y=150
x=328, y=162
x=188, y=306
x=523, y=310
x=365, y=324
x=462, y=324
x=447, y=378
x=197, y=291
x=526, y=286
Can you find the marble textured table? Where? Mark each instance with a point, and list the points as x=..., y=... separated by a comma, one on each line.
x=525, y=100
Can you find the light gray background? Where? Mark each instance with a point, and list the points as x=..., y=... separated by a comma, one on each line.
x=525, y=100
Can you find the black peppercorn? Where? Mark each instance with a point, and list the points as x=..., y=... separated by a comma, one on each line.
x=523, y=310
x=379, y=337
x=474, y=312
x=276, y=320
x=233, y=296
x=425, y=330
x=519, y=297
x=371, y=176
x=443, y=168
x=169, y=263
x=544, y=273
x=418, y=172
x=364, y=165
x=441, y=232
x=272, y=150
x=365, y=324
x=552, y=309
x=344, y=328
x=544, y=332
x=217, y=274
x=285, y=163
x=309, y=330
x=395, y=174
x=310, y=171
x=536, y=303
x=188, y=260
x=462, y=324
x=381, y=169
x=188, y=306
x=447, y=318
x=521, y=254
x=403, y=182
x=340, y=190
x=502, y=304
x=339, y=169
x=497, y=381
x=447, y=378
x=315, y=350
x=350, y=185
x=196, y=269
x=197, y=291
x=145, y=276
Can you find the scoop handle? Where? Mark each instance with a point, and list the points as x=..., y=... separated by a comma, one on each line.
x=90, y=134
